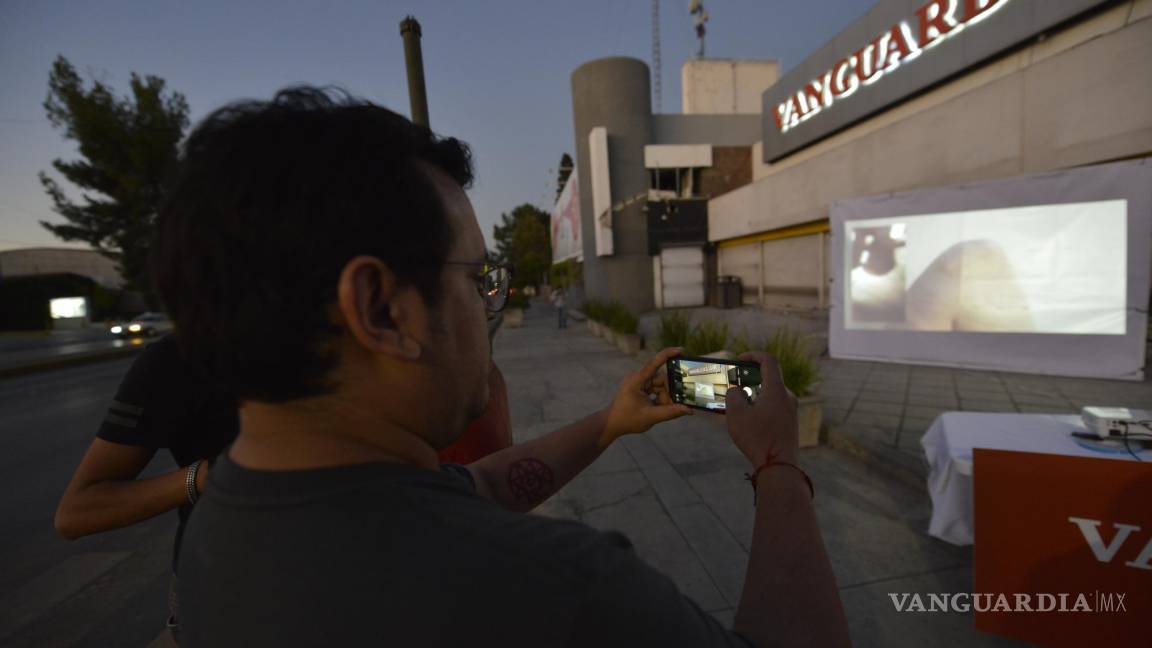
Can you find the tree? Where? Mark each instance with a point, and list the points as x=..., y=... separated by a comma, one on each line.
x=523, y=239
x=566, y=167
x=128, y=148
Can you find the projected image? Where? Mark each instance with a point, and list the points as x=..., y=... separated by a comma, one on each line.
x=876, y=276
x=1038, y=269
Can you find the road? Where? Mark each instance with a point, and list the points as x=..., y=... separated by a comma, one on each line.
x=104, y=590
x=23, y=341
x=23, y=349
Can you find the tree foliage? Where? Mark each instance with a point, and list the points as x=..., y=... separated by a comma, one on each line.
x=566, y=167
x=128, y=147
x=523, y=240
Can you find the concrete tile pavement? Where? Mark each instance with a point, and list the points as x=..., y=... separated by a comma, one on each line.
x=880, y=411
x=678, y=491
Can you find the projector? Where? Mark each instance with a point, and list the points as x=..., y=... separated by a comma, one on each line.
x=1111, y=422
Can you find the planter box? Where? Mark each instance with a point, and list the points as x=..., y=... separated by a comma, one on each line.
x=513, y=317
x=810, y=414
x=591, y=327
x=609, y=334
x=628, y=343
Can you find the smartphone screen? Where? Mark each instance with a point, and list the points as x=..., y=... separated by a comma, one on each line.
x=703, y=382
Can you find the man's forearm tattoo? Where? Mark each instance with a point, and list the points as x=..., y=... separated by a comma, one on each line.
x=530, y=480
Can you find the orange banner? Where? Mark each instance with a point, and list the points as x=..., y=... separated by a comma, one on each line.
x=1063, y=552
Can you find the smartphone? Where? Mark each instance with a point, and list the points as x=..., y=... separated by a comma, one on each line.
x=702, y=383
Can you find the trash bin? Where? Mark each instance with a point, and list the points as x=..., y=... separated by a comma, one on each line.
x=731, y=290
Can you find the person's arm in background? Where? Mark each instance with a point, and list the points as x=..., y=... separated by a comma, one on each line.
x=523, y=476
x=790, y=596
x=104, y=493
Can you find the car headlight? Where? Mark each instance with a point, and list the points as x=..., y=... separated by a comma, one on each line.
x=117, y=329
x=135, y=328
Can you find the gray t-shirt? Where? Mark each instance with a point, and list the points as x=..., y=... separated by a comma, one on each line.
x=395, y=555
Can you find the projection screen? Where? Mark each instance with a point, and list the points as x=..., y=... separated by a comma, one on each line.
x=1047, y=273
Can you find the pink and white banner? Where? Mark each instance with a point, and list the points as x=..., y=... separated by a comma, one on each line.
x=566, y=241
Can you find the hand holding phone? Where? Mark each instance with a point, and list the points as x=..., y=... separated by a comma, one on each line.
x=770, y=424
x=642, y=401
x=704, y=383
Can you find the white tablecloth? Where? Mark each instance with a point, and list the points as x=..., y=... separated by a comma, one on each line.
x=948, y=447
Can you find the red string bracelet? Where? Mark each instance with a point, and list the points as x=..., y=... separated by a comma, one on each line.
x=771, y=461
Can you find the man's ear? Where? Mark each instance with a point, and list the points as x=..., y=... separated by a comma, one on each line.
x=375, y=309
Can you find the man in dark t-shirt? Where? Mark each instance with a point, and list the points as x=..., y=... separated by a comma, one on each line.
x=392, y=554
x=164, y=403
x=321, y=259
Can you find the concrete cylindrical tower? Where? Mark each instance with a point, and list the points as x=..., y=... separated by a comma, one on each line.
x=614, y=93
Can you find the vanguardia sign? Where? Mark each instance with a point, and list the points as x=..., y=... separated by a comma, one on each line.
x=895, y=50
x=903, y=42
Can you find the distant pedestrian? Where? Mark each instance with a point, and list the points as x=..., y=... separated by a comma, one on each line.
x=561, y=310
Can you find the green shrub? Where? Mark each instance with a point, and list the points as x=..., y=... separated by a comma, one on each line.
x=674, y=329
x=614, y=314
x=740, y=344
x=707, y=337
x=623, y=320
x=800, y=372
x=565, y=273
x=608, y=313
x=594, y=310
x=519, y=300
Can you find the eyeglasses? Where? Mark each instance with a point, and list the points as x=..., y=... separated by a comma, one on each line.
x=492, y=282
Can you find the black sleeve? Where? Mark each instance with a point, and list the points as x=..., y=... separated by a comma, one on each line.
x=129, y=420
x=632, y=604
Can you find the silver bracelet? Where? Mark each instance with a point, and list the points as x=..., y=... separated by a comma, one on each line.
x=190, y=480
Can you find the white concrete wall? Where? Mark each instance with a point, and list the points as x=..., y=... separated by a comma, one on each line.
x=726, y=86
x=1081, y=96
x=38, y=261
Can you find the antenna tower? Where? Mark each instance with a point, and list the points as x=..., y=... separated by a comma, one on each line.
x=696, y=8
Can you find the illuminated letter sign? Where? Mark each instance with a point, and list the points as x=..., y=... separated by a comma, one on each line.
x=847, y=79
x=935, y=21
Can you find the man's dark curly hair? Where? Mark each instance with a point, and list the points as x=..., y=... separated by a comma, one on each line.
x=269, y=202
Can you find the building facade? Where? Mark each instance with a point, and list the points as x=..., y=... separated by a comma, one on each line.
x=46, y=261
x=912, y=95
x=645, y=179
x=1073, y=94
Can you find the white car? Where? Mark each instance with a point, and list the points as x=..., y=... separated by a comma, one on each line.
x=145, y=324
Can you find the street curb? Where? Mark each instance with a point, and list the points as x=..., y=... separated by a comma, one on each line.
x=886, y=460
x=72, y=360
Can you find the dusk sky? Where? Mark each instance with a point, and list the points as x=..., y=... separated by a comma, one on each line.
x=498, y=72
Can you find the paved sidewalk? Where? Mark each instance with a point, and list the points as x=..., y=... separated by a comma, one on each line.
x=880, y=411
x=678, y=493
